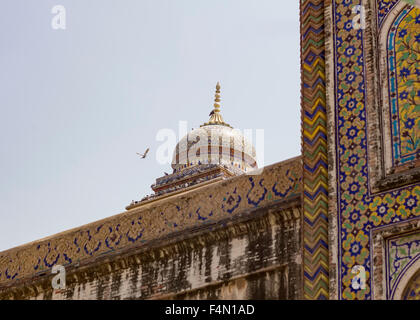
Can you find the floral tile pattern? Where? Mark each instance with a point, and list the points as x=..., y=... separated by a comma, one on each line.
x=404, y=84
x=358, y=209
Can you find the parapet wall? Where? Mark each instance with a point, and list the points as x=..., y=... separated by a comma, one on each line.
x=149, y=222
x=253, y=255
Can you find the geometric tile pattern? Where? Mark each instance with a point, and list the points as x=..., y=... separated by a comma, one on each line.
x=358, y=211
x=314, y=151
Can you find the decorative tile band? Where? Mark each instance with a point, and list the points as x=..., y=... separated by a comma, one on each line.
x=314, y=151
x=384, y=6
x=402, y=252
x=153, y=221
x=403, y=48
x=413, y=289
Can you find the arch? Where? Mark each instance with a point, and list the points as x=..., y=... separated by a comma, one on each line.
x=400, y=63
x=403, y=58
x=412, y=289
x=408, y=282
x=392, y=106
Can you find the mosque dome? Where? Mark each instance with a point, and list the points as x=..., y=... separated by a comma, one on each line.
x=215, y=142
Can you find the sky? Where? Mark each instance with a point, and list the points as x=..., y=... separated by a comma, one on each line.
x=78, y=103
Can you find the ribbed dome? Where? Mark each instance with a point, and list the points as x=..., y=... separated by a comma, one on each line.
x=215, y=142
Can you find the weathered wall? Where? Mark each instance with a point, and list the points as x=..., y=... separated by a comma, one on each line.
x=152, y=220
x=253, y=255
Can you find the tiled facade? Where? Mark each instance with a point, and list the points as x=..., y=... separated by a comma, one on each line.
x=356, y=186
x=365, y=193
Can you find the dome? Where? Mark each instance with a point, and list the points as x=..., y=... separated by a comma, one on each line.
x=215, y=142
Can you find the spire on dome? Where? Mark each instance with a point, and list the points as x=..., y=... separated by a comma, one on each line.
x=215, y=116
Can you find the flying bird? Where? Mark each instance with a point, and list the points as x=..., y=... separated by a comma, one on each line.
x=144, y=154
x=211, y=113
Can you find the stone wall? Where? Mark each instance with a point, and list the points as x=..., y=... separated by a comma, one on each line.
x=255, y=254
x=152, y=220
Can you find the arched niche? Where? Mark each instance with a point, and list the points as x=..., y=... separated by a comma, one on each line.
x=393, y=97
x=409, y=285
x=412, y=289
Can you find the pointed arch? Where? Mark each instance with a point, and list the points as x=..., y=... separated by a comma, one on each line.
x=394, y=147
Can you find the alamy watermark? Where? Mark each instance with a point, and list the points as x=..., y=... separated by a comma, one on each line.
x=58, y=282
x=359, y=20
x=358, y=282
x=58, y=21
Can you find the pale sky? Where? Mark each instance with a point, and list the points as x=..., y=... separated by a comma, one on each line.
x=77, y=104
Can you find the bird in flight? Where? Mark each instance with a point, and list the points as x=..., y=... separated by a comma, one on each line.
x=144, y=154
x=211, y=113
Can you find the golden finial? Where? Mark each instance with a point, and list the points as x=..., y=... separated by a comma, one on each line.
x=215, y=116
x=217, y=98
